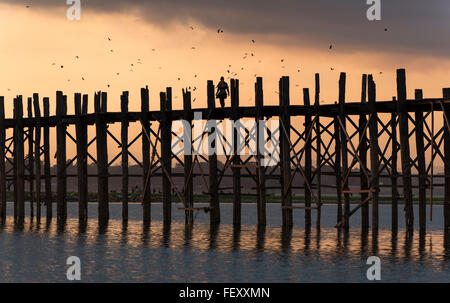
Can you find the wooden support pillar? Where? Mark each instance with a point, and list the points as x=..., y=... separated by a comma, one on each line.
x=166, y=153
x=394, y=172
x=374, y=152
x=20, y=156
x=318, y=150
x=2, y=161
x=102, y=157
x=285, y=151
x=404, y=148
x=188, y=173
x=420, y=148
x=446, y=95
x=30, y=139
x=61, y=185
x=124, y=138
x=212, y=159
x=48, y=180
x=338, y=169
x=344, y=150
x=308, y=160
x=260, y=170
x=364, y=184
x=237, y=144
x=37, y=155
x=81, y=133
x=146, y=198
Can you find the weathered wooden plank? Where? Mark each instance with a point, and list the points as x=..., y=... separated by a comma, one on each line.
x=420, y=148
x=404, y=149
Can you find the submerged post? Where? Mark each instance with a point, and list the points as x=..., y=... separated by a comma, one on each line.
x=404, y=148
x=37, y=155
x=260, y=170
x=146, y=165
x=308, y=161
x=212, y=159
x=318, y=170
x=166, y=153
x=374, y=156
x=124, y=138
x=81, y=133
x=19, y=155
x=188, y=173
x=285, y=149
x=30, y=139
x=237, y=144
x=420, y=148
x=446, y=95
x=363, y=157
x=2, y=161
x=48, y=180
x=394, y=172
x=61, y=185
x=102, y=157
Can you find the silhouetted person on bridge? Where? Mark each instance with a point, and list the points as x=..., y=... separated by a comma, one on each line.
x=222, y=91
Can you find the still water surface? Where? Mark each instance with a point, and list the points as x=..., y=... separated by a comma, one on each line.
x=38, y=253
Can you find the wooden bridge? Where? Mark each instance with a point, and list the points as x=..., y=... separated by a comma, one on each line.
x=367, y=134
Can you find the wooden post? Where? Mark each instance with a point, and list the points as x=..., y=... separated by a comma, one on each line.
x=102, y=157
x=19, y=155
x=37, y=155
x=212, y=143
x=285, y=151
x=374, y=156
x=363, y=157
x=394, y=172
x=338, y=169
x=318, y=150
x=166, y=153
x=146, y=198
x=61, y=198
x=446, y=95
x=404, y=148
x=236, y=171
x=124, y=138
x=30, y=139
x=420, y=148
x=261, y=187
x=2, y=161
x=188, y=175
x=48, y=180
x=81, y=133
x=308, y=160
x=344, y=151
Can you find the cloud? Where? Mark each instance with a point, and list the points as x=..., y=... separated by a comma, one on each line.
x=414, y=26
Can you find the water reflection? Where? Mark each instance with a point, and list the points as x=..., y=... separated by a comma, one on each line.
x=291, y=246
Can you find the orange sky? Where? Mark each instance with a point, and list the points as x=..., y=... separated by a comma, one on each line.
x=31, y=40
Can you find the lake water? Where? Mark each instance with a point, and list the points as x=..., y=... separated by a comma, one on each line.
x=38, y=253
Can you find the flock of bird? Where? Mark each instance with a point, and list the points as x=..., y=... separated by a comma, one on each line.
x=230, y=73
